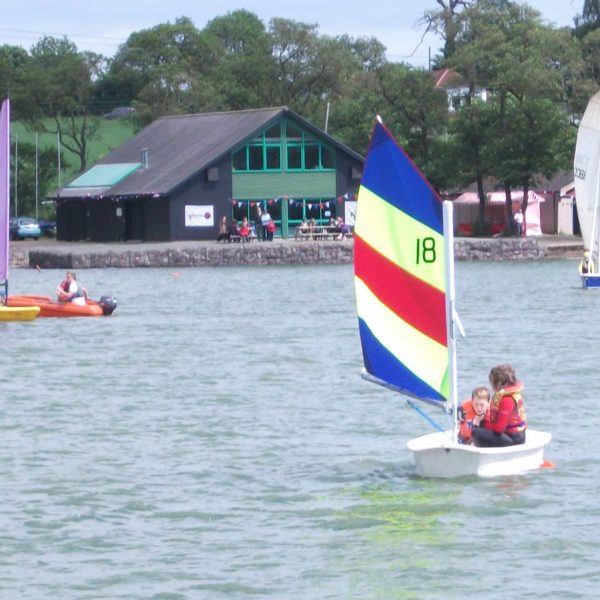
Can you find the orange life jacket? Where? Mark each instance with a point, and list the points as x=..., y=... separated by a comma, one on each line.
x=517, y=421
x=466, y=414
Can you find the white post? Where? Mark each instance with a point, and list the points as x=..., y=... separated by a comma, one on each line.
x=36, y=177
x=450, y=313
x=58, y=155
x=16, y=174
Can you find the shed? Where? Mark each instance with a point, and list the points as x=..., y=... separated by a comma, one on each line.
x=177, y=177
x=467, y=206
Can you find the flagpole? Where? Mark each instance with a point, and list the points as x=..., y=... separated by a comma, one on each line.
x=58, y=151
x=4, y=195
x=36, y=176
x=16, y=174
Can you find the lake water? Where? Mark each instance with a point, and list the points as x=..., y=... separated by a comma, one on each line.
x=213, y=439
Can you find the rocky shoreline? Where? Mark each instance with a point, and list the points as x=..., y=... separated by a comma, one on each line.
x=50, y=254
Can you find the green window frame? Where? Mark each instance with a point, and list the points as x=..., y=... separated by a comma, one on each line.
x=284, y=146
x=305, y=152
x=262, y=154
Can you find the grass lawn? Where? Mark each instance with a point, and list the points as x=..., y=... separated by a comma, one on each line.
x=111, y=135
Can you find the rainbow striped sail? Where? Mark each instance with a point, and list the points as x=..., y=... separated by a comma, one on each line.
x=400, y=272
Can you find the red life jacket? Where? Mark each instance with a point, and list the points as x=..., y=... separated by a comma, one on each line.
x=517, y=420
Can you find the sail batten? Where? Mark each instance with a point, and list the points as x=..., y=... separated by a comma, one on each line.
x=400, y=274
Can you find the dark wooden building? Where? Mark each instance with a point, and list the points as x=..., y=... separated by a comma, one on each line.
x=180, y=175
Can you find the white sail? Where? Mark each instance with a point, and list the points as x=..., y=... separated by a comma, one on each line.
x=587, y=176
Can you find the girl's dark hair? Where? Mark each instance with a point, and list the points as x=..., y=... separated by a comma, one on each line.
x=502, y=375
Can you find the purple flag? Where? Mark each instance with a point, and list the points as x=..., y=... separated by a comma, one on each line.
x=4, y=186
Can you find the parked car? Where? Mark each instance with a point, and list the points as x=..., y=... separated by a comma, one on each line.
x=48, y=227
x=24, y=227
x=119, y=112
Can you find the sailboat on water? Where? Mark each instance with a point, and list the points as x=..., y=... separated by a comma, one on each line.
x=7, y=313
x=587, y=191
x=404, y=281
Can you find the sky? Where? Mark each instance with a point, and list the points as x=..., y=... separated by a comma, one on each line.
x=102, y=26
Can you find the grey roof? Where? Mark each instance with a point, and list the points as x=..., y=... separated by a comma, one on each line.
x=180, y=146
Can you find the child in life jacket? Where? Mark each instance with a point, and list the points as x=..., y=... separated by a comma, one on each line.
x=472, y=412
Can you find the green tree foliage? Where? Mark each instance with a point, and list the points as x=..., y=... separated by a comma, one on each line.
x=309, y=68
x=525, y=68
x=350, y=105
x=524, y=83
x=13, y=65
x=445, y=22
x=168, y=69
x=245, y=68
x=417, y=112
x=58, y=92
x=23, y=189
x=589, y=20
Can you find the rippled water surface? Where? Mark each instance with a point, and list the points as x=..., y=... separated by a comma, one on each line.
x=214, y=439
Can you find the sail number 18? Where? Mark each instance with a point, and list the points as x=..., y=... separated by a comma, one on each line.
x=426, y=250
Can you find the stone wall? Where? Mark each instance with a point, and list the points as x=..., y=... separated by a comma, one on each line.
x=179, y=255
x=210, y=254
x=497, y=249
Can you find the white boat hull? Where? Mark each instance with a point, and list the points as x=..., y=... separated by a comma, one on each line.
x=590, y=281
x=437, y=456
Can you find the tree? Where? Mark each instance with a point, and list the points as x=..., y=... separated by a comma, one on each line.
x=13, y=64
x=468, y=145
x=444, y=22
x=167, y=69
x=245, y=70
x=589, y=20
x=308, y=68
x=58, y=92
x=503, y=48
x=356, y=98
x=417, y=112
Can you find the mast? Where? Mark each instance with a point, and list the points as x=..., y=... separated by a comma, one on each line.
x=4, y=194
x=451, y=315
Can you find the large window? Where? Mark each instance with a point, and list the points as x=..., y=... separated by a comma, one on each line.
x=305, y=152
x=284, y=146
x=248, y=209
x=321, y=210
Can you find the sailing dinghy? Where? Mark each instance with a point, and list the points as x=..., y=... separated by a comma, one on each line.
x=404, y=281
x=7, y=314
x=587, y=188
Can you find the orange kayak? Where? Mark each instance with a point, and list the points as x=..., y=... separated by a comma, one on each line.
x=50, y=308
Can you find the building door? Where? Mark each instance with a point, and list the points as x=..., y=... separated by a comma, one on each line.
x=134, y=225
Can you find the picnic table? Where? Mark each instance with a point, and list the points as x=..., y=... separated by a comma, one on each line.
x=320, y=232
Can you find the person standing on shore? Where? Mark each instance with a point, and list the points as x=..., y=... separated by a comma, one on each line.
x=265, y=218
x=519, y=222
x=258, y=224
x=223, y=231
